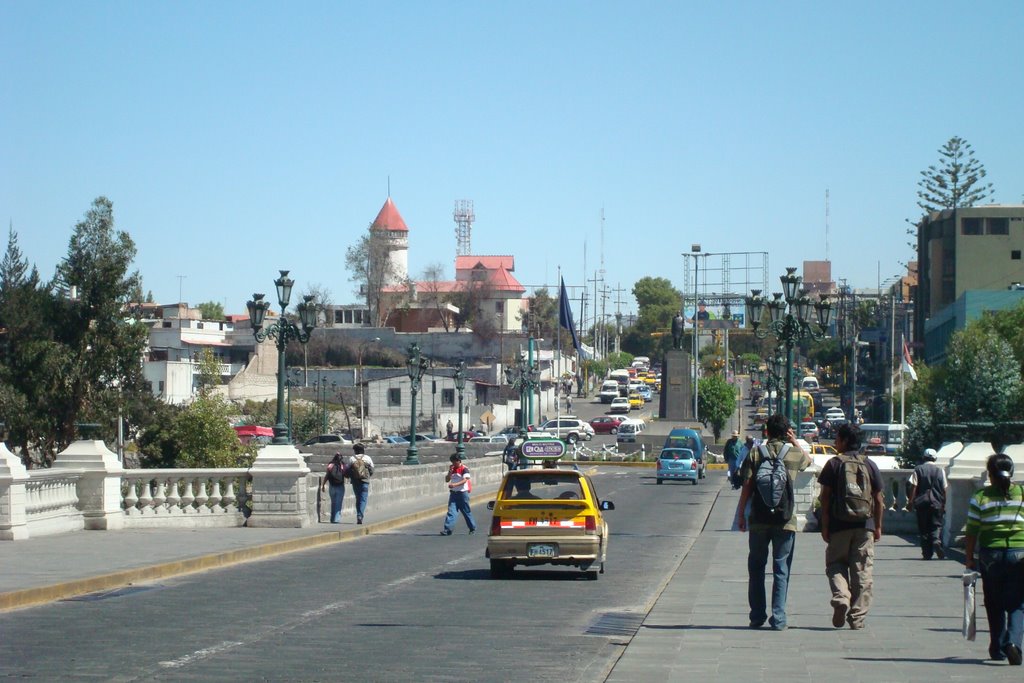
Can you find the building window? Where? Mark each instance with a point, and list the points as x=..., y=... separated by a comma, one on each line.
x=447, y=398
x=1015, y=254
x=970, y=226
x=160, y=386
x=998, y=226
x=394, y=398
x=499, y=306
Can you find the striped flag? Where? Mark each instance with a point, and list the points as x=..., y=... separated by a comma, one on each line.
x=907, y=365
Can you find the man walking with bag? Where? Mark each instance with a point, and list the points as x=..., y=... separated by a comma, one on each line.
x=851, y=522
x=459, y=486
x=768, y=474
x=360, y=469
x=928, y=499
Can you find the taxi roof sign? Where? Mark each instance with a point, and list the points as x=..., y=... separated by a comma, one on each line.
x=542, y=449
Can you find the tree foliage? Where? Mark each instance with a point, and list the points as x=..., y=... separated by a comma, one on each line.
x=955, y=182
x=716, y=403
x=72, y=348
x=657, y=303
x=211, y=310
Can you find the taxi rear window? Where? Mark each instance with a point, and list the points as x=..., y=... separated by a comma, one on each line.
x=548, y=487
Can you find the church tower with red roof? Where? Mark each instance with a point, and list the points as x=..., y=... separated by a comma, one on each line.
x=392, y=228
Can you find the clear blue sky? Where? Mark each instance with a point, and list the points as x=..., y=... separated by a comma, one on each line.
x=237, y=138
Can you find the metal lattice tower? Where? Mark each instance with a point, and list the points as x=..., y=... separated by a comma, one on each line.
x=464, y=218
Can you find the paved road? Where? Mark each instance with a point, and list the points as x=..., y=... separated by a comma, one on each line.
x=401, y=605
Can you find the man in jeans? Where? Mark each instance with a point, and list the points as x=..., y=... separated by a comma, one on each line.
x=459, y=486
x=780, y=535
x=360, y=469
x=850, y=554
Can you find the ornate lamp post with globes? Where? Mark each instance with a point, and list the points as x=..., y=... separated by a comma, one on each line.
x=416, y=364
x=523, y=376
x=789, y=320
x=282, y=331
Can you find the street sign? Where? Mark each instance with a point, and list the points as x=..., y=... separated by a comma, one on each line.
x=543, y=449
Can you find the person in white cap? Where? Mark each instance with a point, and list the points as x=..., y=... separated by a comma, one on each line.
x=927, y=497
x=732, y=456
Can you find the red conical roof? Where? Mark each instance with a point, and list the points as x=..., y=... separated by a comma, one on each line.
x=389, y=218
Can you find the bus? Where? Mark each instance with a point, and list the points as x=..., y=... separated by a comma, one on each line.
x=889, y=435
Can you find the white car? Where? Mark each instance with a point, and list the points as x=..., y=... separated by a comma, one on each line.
x=570, y=429
x=835, y=414
x=494, y=438
x=619, y=405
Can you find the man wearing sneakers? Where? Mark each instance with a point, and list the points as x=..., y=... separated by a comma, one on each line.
x=459, y=486
x=851, y=522
x=768, y=529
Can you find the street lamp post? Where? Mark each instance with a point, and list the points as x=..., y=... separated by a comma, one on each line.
x=282, y=331
x=789, y=321
x=416, y=364
x=460, y=386
x=292, y=383
x=362, y=398
x=524, y=376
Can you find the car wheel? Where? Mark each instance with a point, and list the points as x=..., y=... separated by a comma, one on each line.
x=571, y=439
x=694, y=481
x=613, y=431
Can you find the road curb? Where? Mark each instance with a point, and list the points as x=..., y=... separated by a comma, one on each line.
x=39, y=595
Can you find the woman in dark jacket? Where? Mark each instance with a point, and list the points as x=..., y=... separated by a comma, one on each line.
x=336, y=479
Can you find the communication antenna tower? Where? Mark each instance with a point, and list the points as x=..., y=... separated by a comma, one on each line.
x=464, y=218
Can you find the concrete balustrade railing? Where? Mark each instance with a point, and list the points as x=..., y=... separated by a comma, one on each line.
x=87, y=489
x=163, y=498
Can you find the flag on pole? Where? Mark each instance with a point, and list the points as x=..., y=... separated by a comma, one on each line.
x=565, y=319
x=907, y=365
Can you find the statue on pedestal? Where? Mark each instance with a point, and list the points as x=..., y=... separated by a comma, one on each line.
x=677, y=331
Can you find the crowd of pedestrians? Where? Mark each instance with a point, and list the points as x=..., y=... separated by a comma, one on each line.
x=850, y=511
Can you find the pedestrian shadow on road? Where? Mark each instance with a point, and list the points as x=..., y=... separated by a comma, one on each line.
x=518, y=574
x=735, y=627
x=925, y=660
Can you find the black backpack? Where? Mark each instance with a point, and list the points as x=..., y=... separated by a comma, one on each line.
x=335, y=473
x=772, y=502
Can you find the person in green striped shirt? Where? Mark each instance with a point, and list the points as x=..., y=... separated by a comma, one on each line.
x=995, y=528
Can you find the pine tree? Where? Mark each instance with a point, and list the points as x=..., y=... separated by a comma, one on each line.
x=14, y=266
x=955, y=182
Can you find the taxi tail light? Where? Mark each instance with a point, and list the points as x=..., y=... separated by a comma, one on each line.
x=495, y=526
x=693, y=464
x=590, y=523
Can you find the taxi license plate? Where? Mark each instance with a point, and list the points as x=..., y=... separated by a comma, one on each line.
x=542, y=550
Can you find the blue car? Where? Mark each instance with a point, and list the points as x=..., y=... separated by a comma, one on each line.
x=678, y=463
x=645, y=393
x=682, y=437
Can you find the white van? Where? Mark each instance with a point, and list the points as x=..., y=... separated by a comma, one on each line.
x=609, y=391
x=809, y=383
x=888, y=435
x=629, y=429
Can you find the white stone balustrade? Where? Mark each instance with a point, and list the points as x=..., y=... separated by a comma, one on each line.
x=51, y=502
x=178, y=498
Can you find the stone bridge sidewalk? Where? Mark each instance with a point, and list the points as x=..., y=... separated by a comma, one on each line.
x=698, y=629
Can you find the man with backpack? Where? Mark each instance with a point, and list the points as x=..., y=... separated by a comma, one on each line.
x=928, y=499
x=851, y=522
x=360, y=469
x=768, y=474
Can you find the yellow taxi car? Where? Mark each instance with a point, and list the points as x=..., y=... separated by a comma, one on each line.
x=636, y=401
x=547, y=516
x=823, y=449
x=650, y=379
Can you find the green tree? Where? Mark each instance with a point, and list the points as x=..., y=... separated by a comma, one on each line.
x=211, y=310
x=657, y=303
x=955, y=182
x=203, y=431
x=716, y=402
x=981, y=380
x=542, y=314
